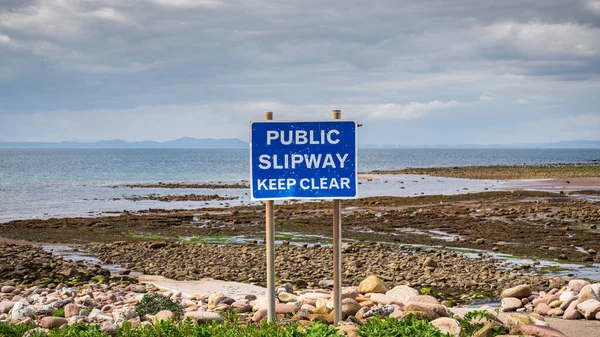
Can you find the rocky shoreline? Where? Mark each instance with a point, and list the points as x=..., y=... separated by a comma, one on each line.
x=580, y=299
x=418, y=245
x=448, y=273
x=36, y=285
x=186, y=197
x=212, y=186
x=562, y=226
x=110, y=305
x=504, y=172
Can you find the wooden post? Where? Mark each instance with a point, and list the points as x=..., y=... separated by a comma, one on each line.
x=337, y=255
x=270, y=243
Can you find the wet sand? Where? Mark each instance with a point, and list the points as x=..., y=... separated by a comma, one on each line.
x=505, y=172
x=523, y=223
x=554, y=185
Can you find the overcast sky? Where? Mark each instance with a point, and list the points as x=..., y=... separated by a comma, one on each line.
x=413, y=72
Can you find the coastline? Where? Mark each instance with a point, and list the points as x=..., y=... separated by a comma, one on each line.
x=457, y=239
x=506, y=172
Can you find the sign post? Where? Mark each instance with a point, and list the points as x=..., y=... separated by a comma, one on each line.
x=303, y=160
x=270, y=243
x=337, y=254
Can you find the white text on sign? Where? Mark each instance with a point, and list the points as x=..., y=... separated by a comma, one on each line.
x=288, y=161
x=303, y=137
x=305, y=183
x=297, y=159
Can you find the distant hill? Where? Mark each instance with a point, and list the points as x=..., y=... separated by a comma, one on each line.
x=222, y=143
x=572, y=144
x=181, y=143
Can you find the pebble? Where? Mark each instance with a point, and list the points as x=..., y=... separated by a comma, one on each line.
x=113, y=304
x=21, y=310
x=382, y=311
x=164, y=315
x=520, y=291
x=447, y=325
x=372, y=284
x=403, y=293
x=204, y=316
x=511, y=304
x=50, y=322
x=589, y=308
x=6, y=306
x=7, y=289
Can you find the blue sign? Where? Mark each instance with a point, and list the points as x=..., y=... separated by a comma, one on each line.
x=303, y=160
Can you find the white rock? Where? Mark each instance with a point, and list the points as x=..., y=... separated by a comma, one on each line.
x=447, y=325
x=99, y=315
x=260, y=303
x=590, y=292
x=567, y=295
x=589, y=308
x=403, y=294
x=124, y=313
x=78, y=319
x=383, y=299
x=286, y=297
x=21, y=310
x=311, y=298
x=204, y=316
x=511, y=304
x=43, y=309
x=188, y=303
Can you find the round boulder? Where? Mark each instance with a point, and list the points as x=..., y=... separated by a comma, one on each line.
x=520, y=291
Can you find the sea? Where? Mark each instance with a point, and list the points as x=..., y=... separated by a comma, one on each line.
x=46, y=183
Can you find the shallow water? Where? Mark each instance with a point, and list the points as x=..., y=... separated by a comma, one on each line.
x=588, y=271
x=72, y=254
x=102, y=199
x=293, y=239
x=45, y=183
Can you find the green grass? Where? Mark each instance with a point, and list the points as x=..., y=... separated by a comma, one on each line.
x=232, y=327
x=9, y=330
x=97, y=278
x=59, y=312
x=391, y=327
x=280, y=222
x=551, y=269
x=426, y=291
x=481, y=318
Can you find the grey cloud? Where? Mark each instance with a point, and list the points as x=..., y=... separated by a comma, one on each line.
x=107, y=55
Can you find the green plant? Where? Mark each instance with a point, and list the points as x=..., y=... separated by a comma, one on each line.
x=78, y=330
x=152, y=303
x=10, y=330
x=391, y=327
x=59, y=312
x=477, y=319
x=97, y=278
x=499, y=330
x=321, y=330
x=426, y=291
x=231, y=327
